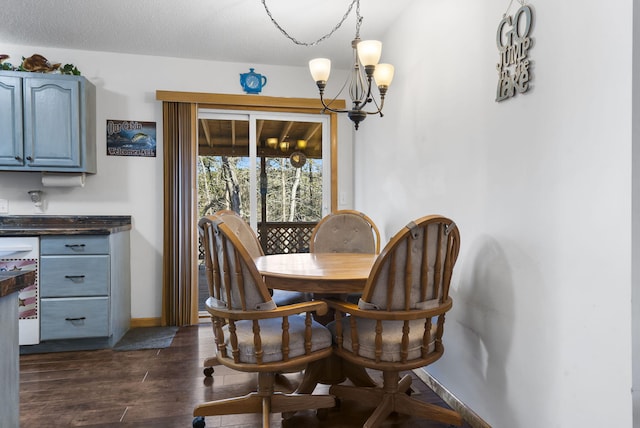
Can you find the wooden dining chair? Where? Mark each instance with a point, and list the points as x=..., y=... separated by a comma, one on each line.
x=398, y=323
x=345, y=231
x=250, y=241
x=253, y=334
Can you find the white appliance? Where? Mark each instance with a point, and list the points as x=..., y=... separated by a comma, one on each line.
x=23, y=253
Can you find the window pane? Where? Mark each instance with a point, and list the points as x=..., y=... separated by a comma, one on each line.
x=223, y=184
x=292, y=177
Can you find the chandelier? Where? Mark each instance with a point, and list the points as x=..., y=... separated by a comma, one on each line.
x=365, y=72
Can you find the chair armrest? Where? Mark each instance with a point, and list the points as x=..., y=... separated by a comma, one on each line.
x=342, y=306
x=413, y=314
x=317, y=306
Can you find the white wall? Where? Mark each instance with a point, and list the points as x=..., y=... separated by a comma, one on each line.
x=635, y=329
x=126, y=88
x=540, y=186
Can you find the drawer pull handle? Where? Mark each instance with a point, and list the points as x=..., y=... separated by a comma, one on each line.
x=74, y=277
x=74, y=246
x=76, y=319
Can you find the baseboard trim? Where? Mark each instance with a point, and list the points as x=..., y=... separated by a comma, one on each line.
x=146, y=322
x=467, y=414
x=157, y=322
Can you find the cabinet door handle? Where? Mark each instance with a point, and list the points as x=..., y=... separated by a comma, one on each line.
x=18, y=158
x=29, y=158
x=75, y=319
x=74, y=246
x=72, y=277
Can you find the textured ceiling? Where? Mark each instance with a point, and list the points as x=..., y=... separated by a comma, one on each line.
x=221, y=30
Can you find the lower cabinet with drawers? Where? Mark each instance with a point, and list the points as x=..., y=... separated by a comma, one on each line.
x=85, y=288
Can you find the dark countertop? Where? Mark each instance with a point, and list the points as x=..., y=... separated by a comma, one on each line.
x=12, y=281
x=67, y=225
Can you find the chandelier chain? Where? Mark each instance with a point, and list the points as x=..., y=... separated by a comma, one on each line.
x=326, y=36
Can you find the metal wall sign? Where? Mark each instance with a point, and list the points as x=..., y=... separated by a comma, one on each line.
x=514, y=42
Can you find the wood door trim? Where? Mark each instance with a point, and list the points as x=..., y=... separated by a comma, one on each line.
x=230, y=102
x=256, y=101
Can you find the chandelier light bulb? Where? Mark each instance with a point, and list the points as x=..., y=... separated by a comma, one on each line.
x=369, y=52
x=383, y=74
x=320, y=69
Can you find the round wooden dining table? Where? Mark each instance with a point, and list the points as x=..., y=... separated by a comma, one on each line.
x=324, y=273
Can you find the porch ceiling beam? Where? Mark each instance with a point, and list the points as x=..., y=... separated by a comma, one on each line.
x=207, y=131
x=233, y=133
x=259, y=125
x=285, y=131
x=312, y=130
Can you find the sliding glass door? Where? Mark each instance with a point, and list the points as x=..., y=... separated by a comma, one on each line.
x=274, y=169
x=266, y=167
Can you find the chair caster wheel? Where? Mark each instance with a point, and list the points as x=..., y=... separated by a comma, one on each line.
x=198, y=422
x=208, y=371
x=322, y=414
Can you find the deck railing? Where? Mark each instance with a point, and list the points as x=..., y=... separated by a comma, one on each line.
x=281, y=237
x=285, y=237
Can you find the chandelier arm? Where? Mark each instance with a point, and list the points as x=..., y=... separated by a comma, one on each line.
x=379, y=111
x=369, y=97
x=379, y=107
x=326, y=106
x=321, y=87
x=376, y=112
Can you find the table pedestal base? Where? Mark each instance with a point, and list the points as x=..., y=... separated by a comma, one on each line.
x=332, y=371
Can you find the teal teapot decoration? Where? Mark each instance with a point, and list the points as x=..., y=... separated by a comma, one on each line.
x=252, y=82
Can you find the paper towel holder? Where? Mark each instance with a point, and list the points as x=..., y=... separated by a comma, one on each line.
x=63, y=179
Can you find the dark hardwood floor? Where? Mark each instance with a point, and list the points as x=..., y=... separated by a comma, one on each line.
x=159, y=388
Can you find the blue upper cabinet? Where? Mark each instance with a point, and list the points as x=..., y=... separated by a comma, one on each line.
x=51, y=118
x=11, y=141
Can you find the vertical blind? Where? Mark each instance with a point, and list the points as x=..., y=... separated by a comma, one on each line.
x=180, y=239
